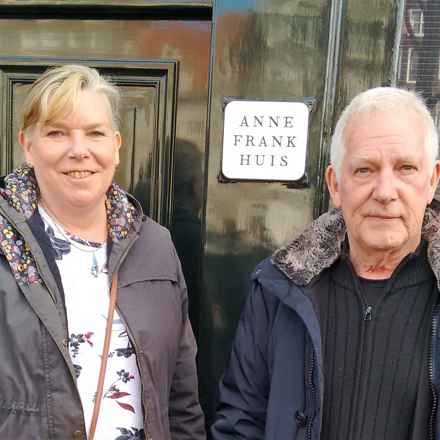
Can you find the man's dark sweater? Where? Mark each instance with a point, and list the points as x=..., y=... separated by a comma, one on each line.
x=376, y=347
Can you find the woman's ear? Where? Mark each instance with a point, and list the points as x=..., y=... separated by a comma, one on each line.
x=23, y=140
x=118, y=144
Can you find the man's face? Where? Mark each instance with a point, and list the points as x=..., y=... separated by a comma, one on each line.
x=385, y=181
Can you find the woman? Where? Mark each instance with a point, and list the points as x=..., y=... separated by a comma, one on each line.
x=73, y=364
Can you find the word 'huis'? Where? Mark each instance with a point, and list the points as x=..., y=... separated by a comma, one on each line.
x=271, y=141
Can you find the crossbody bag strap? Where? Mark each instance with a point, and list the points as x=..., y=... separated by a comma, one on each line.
x=105, y=350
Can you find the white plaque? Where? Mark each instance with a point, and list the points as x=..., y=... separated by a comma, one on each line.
x=265, y=140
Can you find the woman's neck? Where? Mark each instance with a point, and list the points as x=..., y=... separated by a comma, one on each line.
x=89, y=223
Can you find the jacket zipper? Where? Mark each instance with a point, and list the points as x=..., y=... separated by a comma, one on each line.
x=52, y=294
x=368, y=313
x=133, y=342
x=312, y=392
x=434, y=325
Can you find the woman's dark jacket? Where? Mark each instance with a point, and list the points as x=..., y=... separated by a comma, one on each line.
x=38, y=395
x=273, y=387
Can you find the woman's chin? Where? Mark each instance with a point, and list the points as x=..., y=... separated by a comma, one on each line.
x=80, y=202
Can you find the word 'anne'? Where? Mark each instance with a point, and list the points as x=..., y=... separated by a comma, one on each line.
x=267, y=121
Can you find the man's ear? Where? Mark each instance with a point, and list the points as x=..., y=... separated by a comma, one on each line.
x=434, y=180
x=332, y=185
x=24, y=141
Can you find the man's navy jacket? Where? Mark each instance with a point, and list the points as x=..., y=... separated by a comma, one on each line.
x=273, y=387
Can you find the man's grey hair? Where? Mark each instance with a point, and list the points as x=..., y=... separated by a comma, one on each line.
x=379, y=99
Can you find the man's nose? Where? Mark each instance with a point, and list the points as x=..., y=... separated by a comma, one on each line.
x=385, y=189
x=78, y=145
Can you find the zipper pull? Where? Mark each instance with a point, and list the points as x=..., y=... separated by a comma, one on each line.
x=368, y=313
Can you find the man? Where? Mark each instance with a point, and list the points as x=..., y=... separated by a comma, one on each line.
x=339, y=338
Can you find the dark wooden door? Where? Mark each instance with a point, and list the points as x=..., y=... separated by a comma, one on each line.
x=160, y=59
x=162, y=68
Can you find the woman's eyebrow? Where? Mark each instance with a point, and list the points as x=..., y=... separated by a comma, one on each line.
x=66, y=126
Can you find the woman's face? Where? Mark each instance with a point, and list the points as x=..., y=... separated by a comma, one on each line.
x=74, y=158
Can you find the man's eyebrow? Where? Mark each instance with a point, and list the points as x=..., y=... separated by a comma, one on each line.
x=375, y=157
x=411, y=157
x=364, y=158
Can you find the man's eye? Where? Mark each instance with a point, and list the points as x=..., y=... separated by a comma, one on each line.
x=363, y=171
x=406, y=168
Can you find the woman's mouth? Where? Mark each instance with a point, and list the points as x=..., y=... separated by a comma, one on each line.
x=79, y=174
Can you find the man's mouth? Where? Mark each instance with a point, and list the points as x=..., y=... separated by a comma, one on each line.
x=383, y=216
x=79, y=174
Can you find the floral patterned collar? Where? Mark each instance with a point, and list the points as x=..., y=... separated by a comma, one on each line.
x=21, y=193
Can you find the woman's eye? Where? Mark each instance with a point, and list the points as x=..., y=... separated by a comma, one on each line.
x=55, y=133
x=96, y=133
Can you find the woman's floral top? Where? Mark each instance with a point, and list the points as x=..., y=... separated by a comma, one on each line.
x=82, y=267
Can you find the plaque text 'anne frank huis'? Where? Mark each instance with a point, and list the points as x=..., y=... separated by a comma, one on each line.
x=265, y=140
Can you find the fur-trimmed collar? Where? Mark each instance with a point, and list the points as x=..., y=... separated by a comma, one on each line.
x=319, y=246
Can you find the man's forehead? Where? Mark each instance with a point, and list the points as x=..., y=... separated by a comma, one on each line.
x=393, y=124
x=363, y=117
x=396, y=155
x=388, y=132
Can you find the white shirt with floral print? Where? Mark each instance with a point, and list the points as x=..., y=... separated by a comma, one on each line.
x=82, y=266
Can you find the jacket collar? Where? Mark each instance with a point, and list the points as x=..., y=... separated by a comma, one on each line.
x=22, y=193
x=18, y=202
x=319, y=246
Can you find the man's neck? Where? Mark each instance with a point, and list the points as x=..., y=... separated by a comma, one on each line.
x=89, y=223
x=377, y=265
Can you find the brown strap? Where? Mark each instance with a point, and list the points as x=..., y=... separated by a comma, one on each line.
x=105, y=350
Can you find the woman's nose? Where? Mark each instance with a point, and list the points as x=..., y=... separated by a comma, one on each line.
x=78, y=144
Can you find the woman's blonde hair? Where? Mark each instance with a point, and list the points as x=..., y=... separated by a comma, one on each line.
x=55, y=94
